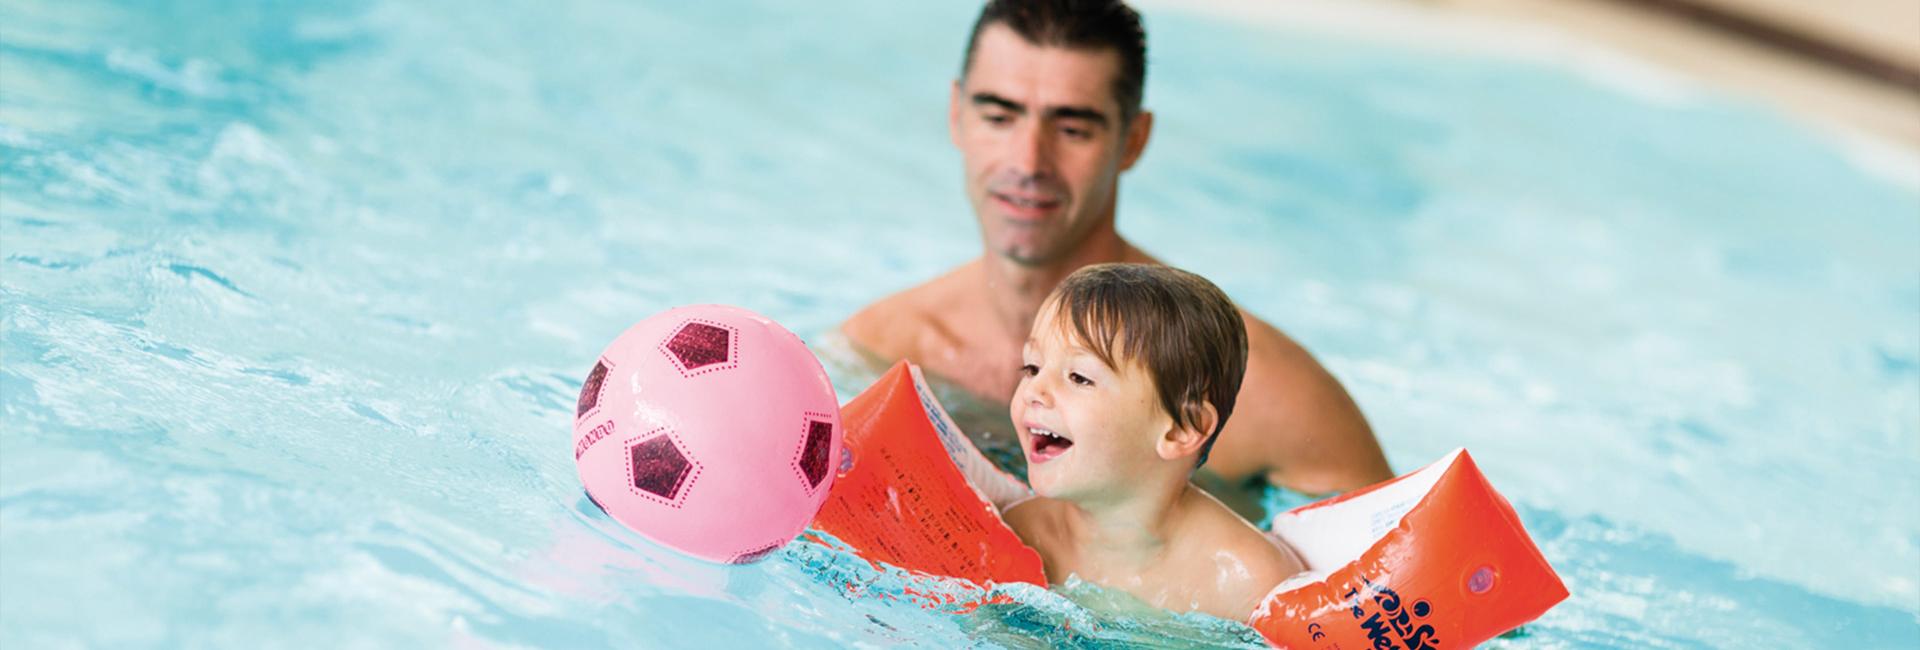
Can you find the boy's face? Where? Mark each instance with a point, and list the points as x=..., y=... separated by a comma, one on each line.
x=1087, y=429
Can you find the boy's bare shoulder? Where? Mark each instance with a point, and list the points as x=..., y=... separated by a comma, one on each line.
x=1024, y=516
x=1267, y=563
x=1036, y=521
x=1248, y=562
x=1260, y=553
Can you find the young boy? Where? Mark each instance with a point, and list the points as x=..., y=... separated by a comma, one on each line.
x=1130, y=372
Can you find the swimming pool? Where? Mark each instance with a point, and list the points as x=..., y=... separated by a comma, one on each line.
x=296, y=299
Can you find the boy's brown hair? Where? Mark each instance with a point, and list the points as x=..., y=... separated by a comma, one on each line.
x=1182, y=328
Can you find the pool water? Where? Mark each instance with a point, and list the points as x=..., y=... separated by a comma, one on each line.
x=295, y=299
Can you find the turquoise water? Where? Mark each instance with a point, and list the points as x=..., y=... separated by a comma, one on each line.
x=295, y=299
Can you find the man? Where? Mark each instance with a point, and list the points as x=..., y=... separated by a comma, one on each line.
x=1046, y=115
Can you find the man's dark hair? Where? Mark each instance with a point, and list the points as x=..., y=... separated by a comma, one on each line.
x=1078, y=25
x=1182, y=328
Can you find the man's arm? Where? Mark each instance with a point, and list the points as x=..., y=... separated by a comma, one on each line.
x=1297, y=425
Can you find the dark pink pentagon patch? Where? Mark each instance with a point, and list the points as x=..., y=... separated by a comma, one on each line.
x=590, y=392
x=699, y=344
x=659, y=468
x=813, y=454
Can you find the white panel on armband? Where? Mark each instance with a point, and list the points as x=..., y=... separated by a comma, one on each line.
x=997, y=487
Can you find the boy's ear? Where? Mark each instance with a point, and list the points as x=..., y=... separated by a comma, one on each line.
x=1182, y=441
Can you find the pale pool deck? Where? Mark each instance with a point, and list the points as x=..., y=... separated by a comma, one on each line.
x=1850, y=67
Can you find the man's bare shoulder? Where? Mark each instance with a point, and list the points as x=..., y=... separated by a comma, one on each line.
x=1296, y=423
x=898, y=326
x=1278, y=353
x=1276, y=363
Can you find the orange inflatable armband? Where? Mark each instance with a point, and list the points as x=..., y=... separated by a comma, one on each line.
x=1433, y=559
x=905, y=503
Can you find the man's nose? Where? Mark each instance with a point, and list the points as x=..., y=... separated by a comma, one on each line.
x=1032, y=150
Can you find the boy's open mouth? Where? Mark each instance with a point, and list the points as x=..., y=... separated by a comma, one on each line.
x=1047, y=445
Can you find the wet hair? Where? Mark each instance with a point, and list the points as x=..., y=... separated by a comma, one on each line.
x=1182, y=328
x=1079, y=25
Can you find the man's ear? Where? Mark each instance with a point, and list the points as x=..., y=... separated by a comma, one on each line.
x=1182, y=441
x=953, y=114
x=1138, y=132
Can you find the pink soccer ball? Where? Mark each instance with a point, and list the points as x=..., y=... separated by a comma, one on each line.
x=709, y=429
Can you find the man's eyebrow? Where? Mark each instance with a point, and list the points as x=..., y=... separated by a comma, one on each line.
x=1087, y=113
x=1079, y=113
x=996, y=100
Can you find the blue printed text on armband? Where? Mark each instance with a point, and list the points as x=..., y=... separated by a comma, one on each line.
x=948, y=437
x=1390, y=622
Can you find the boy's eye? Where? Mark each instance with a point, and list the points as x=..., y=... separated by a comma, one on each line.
x=1080, y=379
x=1029, y=370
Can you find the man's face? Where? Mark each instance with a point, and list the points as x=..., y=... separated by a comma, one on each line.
x=1040, y=132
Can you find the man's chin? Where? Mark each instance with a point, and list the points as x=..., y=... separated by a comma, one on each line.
x=1028, y=256
x=1035, y=247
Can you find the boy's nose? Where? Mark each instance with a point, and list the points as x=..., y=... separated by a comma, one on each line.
x=1036, y=392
